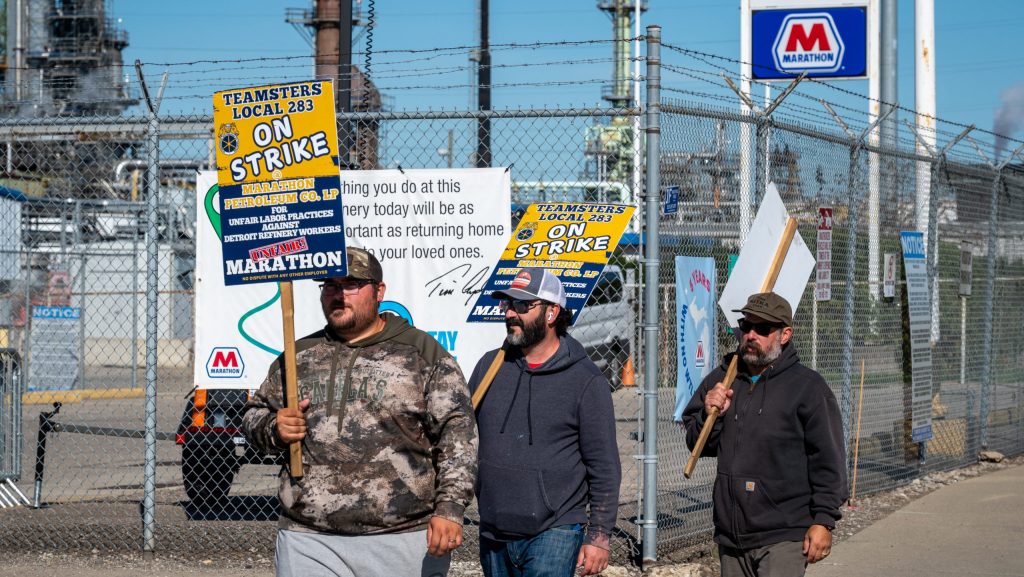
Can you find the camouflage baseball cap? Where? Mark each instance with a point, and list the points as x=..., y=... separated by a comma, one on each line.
x=362, y=265
x=770, y=307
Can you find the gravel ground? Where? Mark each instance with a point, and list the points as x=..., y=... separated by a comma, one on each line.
x=698, y=561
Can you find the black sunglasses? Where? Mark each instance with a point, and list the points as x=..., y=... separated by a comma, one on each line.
x=521, y=307
x=763, y=329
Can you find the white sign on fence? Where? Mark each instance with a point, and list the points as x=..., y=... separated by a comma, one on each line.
x=436, y=233
x=966, y=270
x=823, y=279
x=919, y=311
x=889, y=282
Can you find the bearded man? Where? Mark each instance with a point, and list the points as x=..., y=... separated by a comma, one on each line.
x=388, y=440
x=548, y=487
x=779, y=442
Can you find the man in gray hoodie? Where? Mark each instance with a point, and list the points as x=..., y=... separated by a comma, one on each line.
x=547, y=443
x=388, y=438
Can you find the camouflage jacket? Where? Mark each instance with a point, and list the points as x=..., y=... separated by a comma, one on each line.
x=391, y=437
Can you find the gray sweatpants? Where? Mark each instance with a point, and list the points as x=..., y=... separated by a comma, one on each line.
x=319, y=555
x=784, y=559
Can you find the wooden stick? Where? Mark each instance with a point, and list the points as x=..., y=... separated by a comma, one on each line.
x=730, y=374
x=291, y=389
x=856, y=444
x=492, y=370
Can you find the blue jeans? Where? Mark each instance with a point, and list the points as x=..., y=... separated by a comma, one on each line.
x=553, y=553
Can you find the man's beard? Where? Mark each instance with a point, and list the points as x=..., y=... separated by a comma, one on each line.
x=530, y=335
x=761, y=358
x=358, y=319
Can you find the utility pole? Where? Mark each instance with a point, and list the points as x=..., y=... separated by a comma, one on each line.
x=483, y=130
x=888, y=90
x=333, y=44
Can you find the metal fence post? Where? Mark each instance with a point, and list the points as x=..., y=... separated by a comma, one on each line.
x=152, y=286
x=989, y=314
x=849, y=294
x=81, y=383
x=651, y=309
x=761, y=153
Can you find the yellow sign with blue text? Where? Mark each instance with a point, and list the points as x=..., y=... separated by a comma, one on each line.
x=573, y=240
x=285, y=128
x=279, y=182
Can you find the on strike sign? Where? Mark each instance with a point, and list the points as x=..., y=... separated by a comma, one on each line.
x=277, y=170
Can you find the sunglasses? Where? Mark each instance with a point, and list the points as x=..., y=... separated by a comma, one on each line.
x=349, y=287
x=763, y=329
x=521, y=307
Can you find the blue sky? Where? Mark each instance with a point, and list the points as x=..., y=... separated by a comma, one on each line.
x=978, y=56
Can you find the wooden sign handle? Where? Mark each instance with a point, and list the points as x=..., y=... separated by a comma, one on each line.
x=291, y=389
x=730, y=375
x=492, y=370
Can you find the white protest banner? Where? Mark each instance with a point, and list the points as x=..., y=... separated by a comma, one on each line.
x=437, y=233
x=462, y=214
x=756, y=257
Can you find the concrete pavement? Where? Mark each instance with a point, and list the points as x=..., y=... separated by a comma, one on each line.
x=975, y=527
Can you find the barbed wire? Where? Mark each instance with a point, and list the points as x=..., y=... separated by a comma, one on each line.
x=392, y=74
x=401, y=65
x=707, y=58
x=438, y=51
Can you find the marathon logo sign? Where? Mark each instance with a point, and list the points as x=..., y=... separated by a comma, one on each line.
x=821, y=42
x=808, y=42
x=225, y=363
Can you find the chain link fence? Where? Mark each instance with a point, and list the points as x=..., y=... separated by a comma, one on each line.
x=97, y=287
x=856, y=339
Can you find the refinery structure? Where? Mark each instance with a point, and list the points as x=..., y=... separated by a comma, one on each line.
x=63, y=58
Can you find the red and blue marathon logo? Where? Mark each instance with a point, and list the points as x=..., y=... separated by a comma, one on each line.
x=808, y=42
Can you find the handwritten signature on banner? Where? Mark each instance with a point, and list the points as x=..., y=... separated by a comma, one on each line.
x=461, y=280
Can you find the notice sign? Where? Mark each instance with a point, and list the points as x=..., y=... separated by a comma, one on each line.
x=823, y=279
x=572, y=240
x=919, y=313
x=277, y=169
x=55, y=348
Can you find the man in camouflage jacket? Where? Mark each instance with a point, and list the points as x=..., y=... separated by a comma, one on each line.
x=388, y=437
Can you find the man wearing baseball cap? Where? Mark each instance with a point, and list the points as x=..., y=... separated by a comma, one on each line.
x=388, y=438
x=547, y=443
x=779, y=442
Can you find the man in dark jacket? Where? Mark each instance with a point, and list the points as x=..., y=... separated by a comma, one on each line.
x=779, y=442
x=388, y=441
x=547, y=443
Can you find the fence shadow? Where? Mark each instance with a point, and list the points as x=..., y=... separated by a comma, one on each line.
x=235, y=508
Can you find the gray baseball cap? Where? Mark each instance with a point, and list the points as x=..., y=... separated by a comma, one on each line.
x=534, y=283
